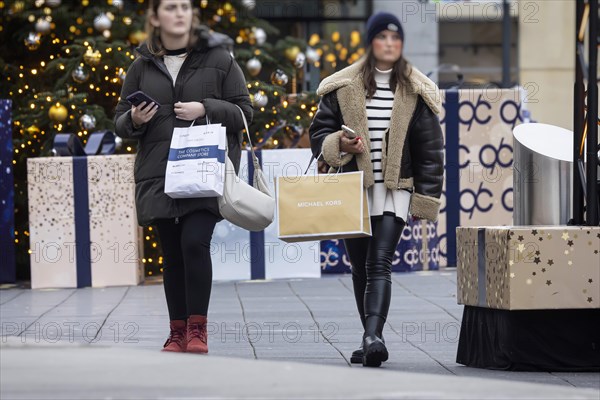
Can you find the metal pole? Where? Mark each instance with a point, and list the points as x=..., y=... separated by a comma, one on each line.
x=578, y=120
x=592, y=119
x=506, y=44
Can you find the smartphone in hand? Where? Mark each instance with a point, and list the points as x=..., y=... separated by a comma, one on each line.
x=349, y=132
x=136, y=98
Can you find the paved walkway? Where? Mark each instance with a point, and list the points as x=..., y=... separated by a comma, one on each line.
x=91, y=343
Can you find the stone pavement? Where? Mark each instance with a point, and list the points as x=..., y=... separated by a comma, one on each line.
x=265, y=338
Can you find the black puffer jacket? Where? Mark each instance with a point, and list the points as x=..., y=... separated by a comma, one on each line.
x=209, y=75
x=412, y=156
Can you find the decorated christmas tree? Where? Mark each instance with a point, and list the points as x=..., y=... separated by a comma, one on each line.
x=63, y=64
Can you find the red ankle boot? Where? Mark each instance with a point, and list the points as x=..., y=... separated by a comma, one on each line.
x=197, y=337
x=176, y=341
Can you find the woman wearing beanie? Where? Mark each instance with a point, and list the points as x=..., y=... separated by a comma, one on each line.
x=392, y=107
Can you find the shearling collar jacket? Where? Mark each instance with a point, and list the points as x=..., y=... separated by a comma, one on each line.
x=412, y=156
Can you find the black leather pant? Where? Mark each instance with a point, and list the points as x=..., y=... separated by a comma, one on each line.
x=371, y=260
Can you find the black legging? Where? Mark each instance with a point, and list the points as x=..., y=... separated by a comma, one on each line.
x=371, y=260
x=187, y=271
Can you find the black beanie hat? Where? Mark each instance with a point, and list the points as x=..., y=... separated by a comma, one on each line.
x=380, y=22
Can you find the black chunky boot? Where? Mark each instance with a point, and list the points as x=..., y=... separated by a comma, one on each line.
x=377, y=304
x=357, y=355
x=374, y=350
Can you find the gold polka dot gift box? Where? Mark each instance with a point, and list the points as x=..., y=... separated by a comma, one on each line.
x=82, y=222
x=529, y=267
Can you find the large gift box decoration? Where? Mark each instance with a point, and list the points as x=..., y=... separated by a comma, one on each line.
x=529, y=267
x=82, y=222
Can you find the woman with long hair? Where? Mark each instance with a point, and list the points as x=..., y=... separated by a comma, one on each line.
x=392, y=108
x=191, y=73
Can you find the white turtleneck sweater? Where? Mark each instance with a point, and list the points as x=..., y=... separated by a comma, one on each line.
x=173, y=64
x=379, y=111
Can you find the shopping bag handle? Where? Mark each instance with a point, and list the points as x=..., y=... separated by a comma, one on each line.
x=207, y=121
x=312, y=158
x=254, y=158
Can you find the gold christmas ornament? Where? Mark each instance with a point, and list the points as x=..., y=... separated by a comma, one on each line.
x=92, y=58
x=137, y=37
x=17, y=7
x=58, y=113
x=33, y=130
x=292, y=52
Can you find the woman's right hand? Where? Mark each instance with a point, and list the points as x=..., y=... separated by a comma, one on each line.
x=141, y=115
x=348, y=145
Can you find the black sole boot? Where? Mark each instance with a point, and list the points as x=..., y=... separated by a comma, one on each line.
x=374, y=352
x=377, y=303
x=357, y=355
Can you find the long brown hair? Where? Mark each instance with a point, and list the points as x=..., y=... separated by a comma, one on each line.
x=153, y=42
x=400, y=73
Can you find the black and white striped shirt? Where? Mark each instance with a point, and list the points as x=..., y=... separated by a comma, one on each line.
x=379, y=112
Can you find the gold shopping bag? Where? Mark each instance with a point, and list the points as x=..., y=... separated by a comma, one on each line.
x=322, y=207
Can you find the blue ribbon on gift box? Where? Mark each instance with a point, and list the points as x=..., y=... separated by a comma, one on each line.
x=68, y=144
x=452, y=174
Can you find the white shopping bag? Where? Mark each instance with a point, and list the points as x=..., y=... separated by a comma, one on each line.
x=196, y=164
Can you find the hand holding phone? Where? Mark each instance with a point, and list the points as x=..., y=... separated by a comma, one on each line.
x=354, y=145
x=349, y=132
x=136, y=98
